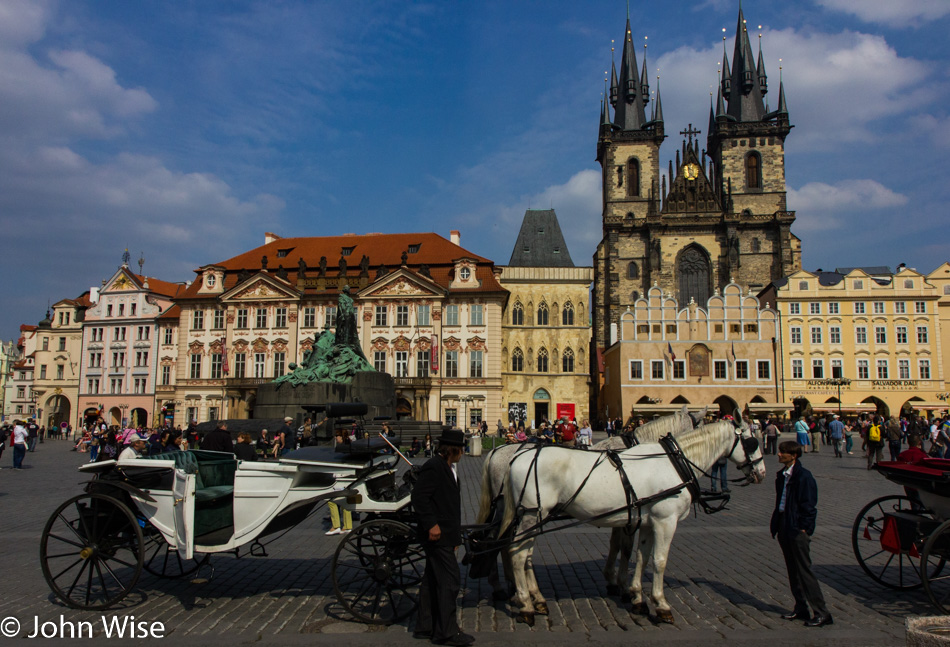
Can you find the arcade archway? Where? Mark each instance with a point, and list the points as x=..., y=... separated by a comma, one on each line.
x=58, y=411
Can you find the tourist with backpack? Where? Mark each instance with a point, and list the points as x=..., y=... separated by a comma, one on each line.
x=875, y=441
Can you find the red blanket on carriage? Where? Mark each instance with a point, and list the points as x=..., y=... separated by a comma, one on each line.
x=929, y=474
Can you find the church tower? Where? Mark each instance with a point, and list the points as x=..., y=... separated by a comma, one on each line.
x=716, y=216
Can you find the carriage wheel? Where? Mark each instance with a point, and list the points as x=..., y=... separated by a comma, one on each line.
x=376, y=572
x=934, y=556
x=91, y=551
x=894, y=570
x=164, y=561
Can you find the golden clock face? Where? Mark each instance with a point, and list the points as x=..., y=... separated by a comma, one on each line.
x=691, y=171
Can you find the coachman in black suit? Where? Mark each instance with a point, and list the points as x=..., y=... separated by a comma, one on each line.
x=437, y=501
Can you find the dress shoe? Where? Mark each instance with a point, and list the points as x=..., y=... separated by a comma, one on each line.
x=422, y=635
x=796, y=615
x=458, y=640
x=819, y=621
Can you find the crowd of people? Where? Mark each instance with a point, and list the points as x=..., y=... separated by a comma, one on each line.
x=559, y=432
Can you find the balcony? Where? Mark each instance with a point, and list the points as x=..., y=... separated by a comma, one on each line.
x=412, y=382
x=248, y=381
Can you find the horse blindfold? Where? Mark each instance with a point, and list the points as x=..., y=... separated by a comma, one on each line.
x=750, y=445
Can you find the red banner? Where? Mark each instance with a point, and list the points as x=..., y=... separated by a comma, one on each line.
x=565, y=410
x=434, y=354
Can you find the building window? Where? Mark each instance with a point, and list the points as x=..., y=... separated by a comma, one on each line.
x=720, y=369
x=859, y=284
x=115, y=385
x=903, y=369
x=131, y=307
x=309, y=317
x=657, y=371
x=280, y=363
x=118, y=359
x=43, y=372
x=474, y=417
x=517, y=361
x=166, y=375
x=878, y=307
x=756, y=246
x=517, y=315
x=139, y=385
x=818, y=369
x=422, y=363
x=742, y=369
x=261, y=318
x=753, y=171
x=452, y=315
x=109, y=310
x=633, y=270
x=795, y=334
x=543, y=314
x=92, y=385
x=475, y=363
x=141, y=358
x=402, y=316
x=402, y=363
x=198, y=320
x=451, y=417
x=241, y=320
x=121, y=309
x=60, y=374
x=837, y=370
x=217, y=322
x=543, y=361
x=920, y=307
x=567, y=314
x=798, y=370
x=679, y=369
x=423, y=315
x=280, y=318
x=216, y=364
x=143, y=333
x=451, y=363
x=749, y=328
x=476, y=317
x=833, y=308
x=882, y=372
x=900, y=308
x=923, y=366
x=195, y=372
x=260, y=360
x=97, y=334
x=880, y=335
x=119, y=333
x=192, y=414
x=380, y=316
x=379, y=361
x=763, y=369
x=834, y=335
x=20, y=392
x=815, y=335
x=95, y=360
x=908, y=284
x=814, y=308
x=567, y=361
x=794, y=308
x=922, y=335
x=636, y=369
x=863, y=371
x=633, y=177
x=240, y=364
x=861, y=335
x=859, y=308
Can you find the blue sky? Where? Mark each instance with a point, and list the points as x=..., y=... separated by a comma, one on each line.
x=185, y=130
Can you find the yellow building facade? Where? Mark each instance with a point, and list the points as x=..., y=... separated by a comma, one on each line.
x=861, y=340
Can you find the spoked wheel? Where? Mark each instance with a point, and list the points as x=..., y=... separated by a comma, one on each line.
x=377, y=569
x=934, y=556
x=163, y=560
x=91, y=551
x=881, y=551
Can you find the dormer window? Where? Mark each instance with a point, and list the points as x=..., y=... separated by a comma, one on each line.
x=465, y=273
x=210, y=280
x=282, y=253
x=540, y=230
x=414, y=249
x=346, y=251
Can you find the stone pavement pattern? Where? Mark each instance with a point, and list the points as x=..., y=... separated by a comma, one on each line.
x=726, y=580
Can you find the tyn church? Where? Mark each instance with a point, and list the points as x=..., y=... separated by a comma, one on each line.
x=717, y=216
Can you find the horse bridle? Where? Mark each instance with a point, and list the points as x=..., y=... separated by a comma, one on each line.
x=748, y=448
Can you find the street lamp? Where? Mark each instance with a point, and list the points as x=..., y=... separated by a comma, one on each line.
x=465, y=399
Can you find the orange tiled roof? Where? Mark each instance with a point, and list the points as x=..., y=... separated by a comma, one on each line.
x=172, y=313
x=165, y=288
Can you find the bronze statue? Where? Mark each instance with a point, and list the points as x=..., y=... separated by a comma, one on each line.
x=323, y=266
x=281, y=272
x=381, y=271
x=264, y=262
x=301, y=268
x=364, y=266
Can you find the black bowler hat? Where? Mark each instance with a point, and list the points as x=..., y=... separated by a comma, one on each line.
x=452, y=437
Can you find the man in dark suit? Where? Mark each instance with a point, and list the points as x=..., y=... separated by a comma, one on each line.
x=793, y=523
x=437, y=500
x=218, y=440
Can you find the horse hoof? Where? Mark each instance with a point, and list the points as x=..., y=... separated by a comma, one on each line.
x=664, y=616
x=527, y=618
x=613, y=589
x=541, y=608
x=499, y=596
x=640, y=609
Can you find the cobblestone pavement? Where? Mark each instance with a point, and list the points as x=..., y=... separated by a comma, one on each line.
x=726, y=580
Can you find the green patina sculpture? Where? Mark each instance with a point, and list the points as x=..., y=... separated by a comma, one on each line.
x=335, y=357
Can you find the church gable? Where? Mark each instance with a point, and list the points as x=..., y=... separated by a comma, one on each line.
x=401, y=283
x=690, y=191
x=121, y=282
x=260, y=288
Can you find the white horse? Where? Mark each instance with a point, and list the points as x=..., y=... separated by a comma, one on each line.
x=588, y=487
x=495, y=469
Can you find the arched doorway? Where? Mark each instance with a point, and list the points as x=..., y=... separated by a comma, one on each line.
x=802, y=408
x=115, y=417
x=58, y=411
x=403, y=408
x=90, y=416
x=727, y=406
x=693, y=275
x=139, y=417
x=542, y=406
x=907, y=409
x=882, y=408
x=679, y=400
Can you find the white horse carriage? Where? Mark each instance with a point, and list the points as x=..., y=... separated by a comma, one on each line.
x=648, y=487
x=167, y=514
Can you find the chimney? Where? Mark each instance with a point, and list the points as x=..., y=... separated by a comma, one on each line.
x=269, y=237
x=455, y=237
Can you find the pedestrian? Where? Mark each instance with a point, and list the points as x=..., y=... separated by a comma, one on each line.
x=136, y=445
x=218, y=440
x=437, y=501
x=244, y=450
x=340, y=524
x=894, y=434
x=771, y=437
x=801, y=432
x=20, y=441
x=849, y=437
x=814, y=430
x=427, y=446
x=585, y=436
x=414, y=447
x=4, y=434
x=285, y=437
x=823, y=429
x=33, y=432
x=913, y=453
x=793, y=524
x=836, y=432
x=264, y=444
x=719, y=467
x=875, y=442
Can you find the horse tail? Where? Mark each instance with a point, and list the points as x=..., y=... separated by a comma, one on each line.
x=510, y=504
x=485, y=501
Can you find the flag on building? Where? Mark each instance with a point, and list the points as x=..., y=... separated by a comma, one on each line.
x=733, y=352
x=224, y=355
x=669, y=348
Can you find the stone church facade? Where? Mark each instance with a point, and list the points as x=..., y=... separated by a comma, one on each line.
x=716, y=216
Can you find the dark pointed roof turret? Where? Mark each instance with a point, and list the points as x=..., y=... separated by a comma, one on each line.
x=629, y=113
x=645, y=79
x=614, y=84
x=540, y=242
x=760, y=70
x=745, y=95
x=782, y=108
x=658, y=106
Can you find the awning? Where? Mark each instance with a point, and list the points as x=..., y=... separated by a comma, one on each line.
x=921, y=405
x=766, y=407
x=850, y=408
x=673, y=408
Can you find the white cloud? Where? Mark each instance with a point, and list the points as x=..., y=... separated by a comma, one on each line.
x=824, y=207
x=932, y=128
x=894, y=13
x=838, y=86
